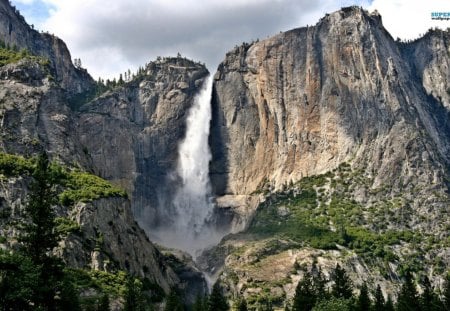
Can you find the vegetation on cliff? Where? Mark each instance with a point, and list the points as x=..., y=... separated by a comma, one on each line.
x=75, y=186
x=9, y=55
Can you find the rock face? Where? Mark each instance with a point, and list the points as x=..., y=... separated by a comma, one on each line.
x=15, y=32
x=304, y=101
x=128, y=135
x=138, y=129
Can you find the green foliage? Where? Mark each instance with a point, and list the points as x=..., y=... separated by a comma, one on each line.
x=14, y=165
x=305, y=295
x=429, y=301
x=342, y=285
x=19, y=276
x=379, y=300
x=242, y=305
x=78, y=186
x=319, y=211
x=408, y=298
x=114, y=284
x=446, y=292
x=65, y=226
x=363, y=303
x=389, y=306
x=9, y=56
x=217, y=301
x=134, y=298
x=39, y=235
x=104, y=303
x=44, y=284
x=173, y=302
x=334, y=304
x=200, y=304
x=85, y=187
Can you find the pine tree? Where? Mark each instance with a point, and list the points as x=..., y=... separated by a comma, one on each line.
x=363, y=303
x=342, y=287
x=242, y=305
x=18, y=278
x=389, y=306
x=217, y=301
x=200, y=304
x=69, y=297
x=408, y=299
x=104, y=303
x=428, y=298
x=173, y=302
x=305, y=296
x=379, y=300
x=319, y=283
x=134, y=300
x=446, y=293
x=39, y=237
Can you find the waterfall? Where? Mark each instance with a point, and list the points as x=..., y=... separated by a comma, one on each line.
x=190, y=226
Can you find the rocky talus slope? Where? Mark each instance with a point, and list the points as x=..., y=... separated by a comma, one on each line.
x=343, y=134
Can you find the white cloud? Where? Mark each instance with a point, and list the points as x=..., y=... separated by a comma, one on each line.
x=408, y=19
x=26, y=2
x=112, y=36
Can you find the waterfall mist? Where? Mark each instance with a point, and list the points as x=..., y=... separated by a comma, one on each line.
x=188, y=222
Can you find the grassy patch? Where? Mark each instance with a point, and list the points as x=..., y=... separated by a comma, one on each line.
x=113, y=284
x=77, y=186
x=9, y=56
x=85, y=187
x=320, y=211
x=65, y=226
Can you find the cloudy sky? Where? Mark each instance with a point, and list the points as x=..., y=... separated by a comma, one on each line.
x=115, y=35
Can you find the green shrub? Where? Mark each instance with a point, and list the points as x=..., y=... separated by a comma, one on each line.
x=65, y=226
x=15, y=165
x=77, y=186
x=85, y=187
x=9, y=56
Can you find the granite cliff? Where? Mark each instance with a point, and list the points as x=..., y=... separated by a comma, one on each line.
x=330, y=143
x=303, y=102
x=334, y=127
x=125, y=133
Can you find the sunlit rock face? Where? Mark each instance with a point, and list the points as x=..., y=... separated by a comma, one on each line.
x=304, y=101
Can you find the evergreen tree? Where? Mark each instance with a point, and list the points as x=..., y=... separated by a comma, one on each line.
x=379, y=300
x=217, y=301
x=134, y=300
x=363, y=303
x=173, y=302
x=242, y=305
x=39, y=238
x=446, y=293
x=104, y=303
x=408, y=299
x=69, y=297
x=342, y=286
x=39, y=235
x=319, y=283
x=305, y=296
x=389, y=306
x=18, y=278
x=334, y=304
x=200, y=304
x=428, y=299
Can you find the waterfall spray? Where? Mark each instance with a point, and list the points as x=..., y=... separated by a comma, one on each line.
x=190, y=227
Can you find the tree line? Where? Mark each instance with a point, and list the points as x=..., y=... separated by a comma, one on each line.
x=311, y=294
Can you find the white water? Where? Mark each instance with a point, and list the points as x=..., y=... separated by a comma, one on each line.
x=190, y=228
